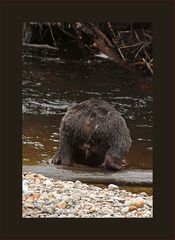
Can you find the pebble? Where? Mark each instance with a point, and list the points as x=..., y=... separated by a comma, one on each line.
x=127, y=203
x=61, y=204
x=25, y=188
x=150, y=203
x=48, y=210
x=48, y=198
x=138, y=202
x=48, y=183
x=125, y=209
x=52, y=216
x=113, y=187
x=143, y=195
x=131, y=208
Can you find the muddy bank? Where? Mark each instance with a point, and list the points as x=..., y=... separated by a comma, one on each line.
x=130, y=177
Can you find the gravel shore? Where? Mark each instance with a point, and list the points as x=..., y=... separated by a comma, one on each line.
x=48, y=198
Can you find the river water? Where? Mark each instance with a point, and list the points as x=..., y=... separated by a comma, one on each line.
x=50, y=86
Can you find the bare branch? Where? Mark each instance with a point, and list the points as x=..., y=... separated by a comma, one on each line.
x=148, y=65
x=52, y=34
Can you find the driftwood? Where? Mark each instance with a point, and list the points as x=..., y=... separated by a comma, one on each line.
x=94, y=175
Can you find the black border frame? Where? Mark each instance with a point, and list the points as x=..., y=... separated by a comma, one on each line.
x=161, y=226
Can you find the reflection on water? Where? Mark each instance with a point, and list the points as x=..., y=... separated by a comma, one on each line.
x=50, y=87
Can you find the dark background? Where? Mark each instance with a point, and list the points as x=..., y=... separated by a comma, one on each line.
x=161, y=226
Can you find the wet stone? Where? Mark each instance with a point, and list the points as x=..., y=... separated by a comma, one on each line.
x=113, y=187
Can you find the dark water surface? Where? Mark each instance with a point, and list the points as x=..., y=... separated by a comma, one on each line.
x=50, y=86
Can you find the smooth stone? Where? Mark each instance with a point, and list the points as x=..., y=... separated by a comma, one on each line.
x=149, y=203
x=131, y=208
x=130, y=214
x=37, y=205
x=70, y=215
x=52, y=216
x=87, y=215
x=25, y=187
x=93, y=209
x=117, y=204
x=123, y=191
x=112, y=187
x=138, y=202
x=48, y=210
x=61, y=204
x=28, y=205
x=40, y=176
x=127, y=203
x=125, y=210
x=77, y=183
x=143, y=194
x=48, y=183
x=147, y=214
x=107, y=216
x=59, y=211
x=118, y=215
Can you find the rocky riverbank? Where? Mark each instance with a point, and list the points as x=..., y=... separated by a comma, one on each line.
x=48, y=198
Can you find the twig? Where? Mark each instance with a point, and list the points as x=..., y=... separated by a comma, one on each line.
x=102, y=35
x=24, y=35
x=121, y=54
x=52, y=34
x=113, y=33
x=137, y=36
x=67, y=33
x=120, y=37
x=131, y=30
x=115, y=42
x=39, y=46
x=146, y=54
x=126, y=31
x=40, y=29
x=148, y=65
x=133, y=45
x=148, y=36
x=139, y=50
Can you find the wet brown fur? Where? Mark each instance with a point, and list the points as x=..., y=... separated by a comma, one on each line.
x=93, y=133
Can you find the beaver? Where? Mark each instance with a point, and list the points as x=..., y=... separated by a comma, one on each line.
x=93, y=133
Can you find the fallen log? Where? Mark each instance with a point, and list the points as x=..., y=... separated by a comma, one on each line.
x=132, y=177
